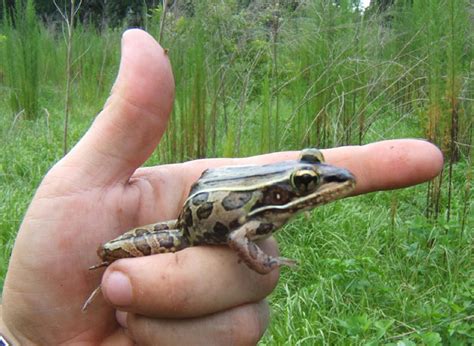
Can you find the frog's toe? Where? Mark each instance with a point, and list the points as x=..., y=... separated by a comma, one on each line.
x=283, y=261
x=99, y=265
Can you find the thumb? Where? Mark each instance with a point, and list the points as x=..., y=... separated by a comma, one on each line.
x=134, y=118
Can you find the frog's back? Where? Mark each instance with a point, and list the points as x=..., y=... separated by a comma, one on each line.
x=246, y=177
x=219, y=201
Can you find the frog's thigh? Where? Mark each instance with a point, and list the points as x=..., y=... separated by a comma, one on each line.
x=142, y=242
x=147, y=229
x=166, y=241
x=251, y=254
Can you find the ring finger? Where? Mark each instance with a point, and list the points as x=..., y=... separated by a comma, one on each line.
x=242, y=325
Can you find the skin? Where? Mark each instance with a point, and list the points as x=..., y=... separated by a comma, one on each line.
x=98, y=191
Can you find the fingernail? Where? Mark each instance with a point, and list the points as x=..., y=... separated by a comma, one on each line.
x=118, y=288
x=121, y=317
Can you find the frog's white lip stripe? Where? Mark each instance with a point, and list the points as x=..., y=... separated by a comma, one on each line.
x=327, y=193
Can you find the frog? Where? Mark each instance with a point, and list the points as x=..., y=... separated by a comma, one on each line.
x=237, y=206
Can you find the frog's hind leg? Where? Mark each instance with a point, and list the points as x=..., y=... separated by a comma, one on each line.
x=251, y=254
x=148, y=229
x=142, y=241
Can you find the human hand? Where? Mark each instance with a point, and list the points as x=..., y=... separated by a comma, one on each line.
x=97, y=192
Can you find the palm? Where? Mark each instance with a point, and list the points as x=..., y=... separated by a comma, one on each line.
x=89, y=197
x=62, y=249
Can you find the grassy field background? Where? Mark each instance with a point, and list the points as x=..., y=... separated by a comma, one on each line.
x=391, y=268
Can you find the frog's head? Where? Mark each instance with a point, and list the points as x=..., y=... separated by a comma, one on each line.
x=309, y=183
x=316, y=182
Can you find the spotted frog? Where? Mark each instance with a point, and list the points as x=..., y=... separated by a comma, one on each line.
x=236, y=206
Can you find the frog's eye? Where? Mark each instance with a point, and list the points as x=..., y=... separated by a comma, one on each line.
x=311, y=155
x=305, y=180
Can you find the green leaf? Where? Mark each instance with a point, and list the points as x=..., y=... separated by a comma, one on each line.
x=431, y=338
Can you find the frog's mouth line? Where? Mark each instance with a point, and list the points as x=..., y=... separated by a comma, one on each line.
x=325, y=194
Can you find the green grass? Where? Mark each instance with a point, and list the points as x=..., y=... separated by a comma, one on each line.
x=373, y=269
x=363, y=281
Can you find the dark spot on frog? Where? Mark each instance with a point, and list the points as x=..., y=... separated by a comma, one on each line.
x=276, y=195
x=112, y=255
x=141, y=231
x=166, y=241
x=170, y=241
x=218, y=235
x=188, y=217
x=200, y=198
x=234, y=224
x=220, y=229
x=142, y=245
x=236, y=200
x=204, y=210
x=160, y=227
x=264, y=228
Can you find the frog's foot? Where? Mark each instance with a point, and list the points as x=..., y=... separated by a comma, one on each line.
x=252, y=255
x=283, y=261
x=100, y=265
x=275, y=262
x=91, y=298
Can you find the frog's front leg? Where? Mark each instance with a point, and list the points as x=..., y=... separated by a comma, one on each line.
x=146, y=240
x=251, y=254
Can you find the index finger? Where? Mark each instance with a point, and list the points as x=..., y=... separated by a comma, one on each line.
x=390, y=164
x=384, y=165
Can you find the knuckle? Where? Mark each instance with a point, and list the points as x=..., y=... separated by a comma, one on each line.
x=245, y=326
x=269, y=282
x=140, y=330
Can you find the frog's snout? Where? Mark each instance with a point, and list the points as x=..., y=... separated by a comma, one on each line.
x=341, y=176
x=333, y=174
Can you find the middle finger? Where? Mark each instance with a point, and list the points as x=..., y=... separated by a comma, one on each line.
x=192, y=282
